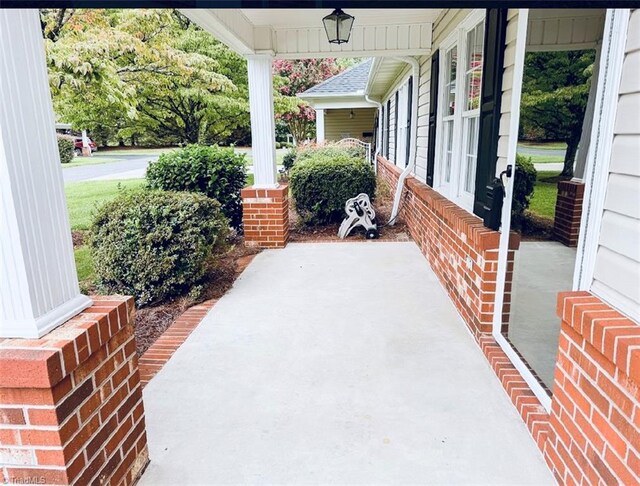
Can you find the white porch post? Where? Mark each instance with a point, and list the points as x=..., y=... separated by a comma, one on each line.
x=38, y=283
x=263, y=131
x=320, y=126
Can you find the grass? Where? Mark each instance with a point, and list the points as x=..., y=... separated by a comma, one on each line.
x=84, y=267
x=280, y=153
x=546, y=159
x=545, y=193
x=80, y=161
x=137, y=151
x=544, y=145
x=83, y=197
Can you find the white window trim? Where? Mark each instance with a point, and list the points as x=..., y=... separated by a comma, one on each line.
x=599, y=155
x=454, y=189
x=398, y=87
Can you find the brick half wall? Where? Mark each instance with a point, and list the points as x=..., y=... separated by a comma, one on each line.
x=71, y=407
x=461, y=251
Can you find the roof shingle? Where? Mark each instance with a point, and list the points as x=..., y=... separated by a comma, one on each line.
x=353, y=80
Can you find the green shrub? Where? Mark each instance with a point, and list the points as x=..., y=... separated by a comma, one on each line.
x=289, y=159
x=523, y=184
x=321, y=184
x=329, y=151
x=155, y=244
x=66, y=147
x=214, y=171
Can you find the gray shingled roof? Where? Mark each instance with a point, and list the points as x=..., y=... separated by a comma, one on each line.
x=352, y=80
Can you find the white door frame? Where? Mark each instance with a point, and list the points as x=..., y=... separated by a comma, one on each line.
x=615, y=31
x=514, y=122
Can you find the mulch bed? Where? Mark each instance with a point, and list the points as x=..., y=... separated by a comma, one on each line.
x=150, y=322
x=78, y=238
x=536, y=228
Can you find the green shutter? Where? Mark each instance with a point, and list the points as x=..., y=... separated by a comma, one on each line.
x=491, y=96
x=433, y=116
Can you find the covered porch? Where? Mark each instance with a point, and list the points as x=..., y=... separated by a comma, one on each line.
x=351, y=365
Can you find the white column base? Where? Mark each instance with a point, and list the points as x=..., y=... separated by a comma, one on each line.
x=37, y=327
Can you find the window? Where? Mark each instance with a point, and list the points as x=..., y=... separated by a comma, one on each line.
x=386, y=145
x=461, y=80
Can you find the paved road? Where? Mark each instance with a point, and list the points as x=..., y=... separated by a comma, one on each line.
x=131, y=167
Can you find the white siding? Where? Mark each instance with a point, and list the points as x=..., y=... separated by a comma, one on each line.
x=617, y=269
x=507, y=87
x=338, y=124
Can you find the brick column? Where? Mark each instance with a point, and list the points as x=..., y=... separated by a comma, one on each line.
x=71, y=407
x=595, y=412
x=265, y=215
x=566, y=224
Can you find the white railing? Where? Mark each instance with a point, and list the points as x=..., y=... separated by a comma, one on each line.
x=354, y=142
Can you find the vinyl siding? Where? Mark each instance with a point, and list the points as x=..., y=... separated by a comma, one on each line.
x=338, y=124
x=507, y=88
x=617, y=270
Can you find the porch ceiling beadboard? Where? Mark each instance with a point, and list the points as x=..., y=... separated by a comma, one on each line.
x=298, y=33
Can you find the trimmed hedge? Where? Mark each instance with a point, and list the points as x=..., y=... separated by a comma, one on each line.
x=214, y=171
x=321, y=185
x=66, y=148
x=155, y=244
x=523, y=184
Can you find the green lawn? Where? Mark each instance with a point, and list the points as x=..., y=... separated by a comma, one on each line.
x=79, y=161
x=543, y=202
x=83, y=197
x=544, y=145
x=136, y=151
x=546, y=159
x=280, y=153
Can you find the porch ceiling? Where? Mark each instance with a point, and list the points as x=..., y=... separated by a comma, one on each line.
x=298, y=33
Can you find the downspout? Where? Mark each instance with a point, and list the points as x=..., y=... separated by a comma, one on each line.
x=411, y=163
x=379, y=137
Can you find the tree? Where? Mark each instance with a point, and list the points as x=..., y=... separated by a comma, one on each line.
x=555, y=93
x=127, y=74
x=293, y=77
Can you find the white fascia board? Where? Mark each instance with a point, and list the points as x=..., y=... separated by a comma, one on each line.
x=373, y=71
x=359, y=53
x=230, y=27
x=344, y=104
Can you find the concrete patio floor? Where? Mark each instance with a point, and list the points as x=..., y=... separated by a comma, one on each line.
x=334, y=364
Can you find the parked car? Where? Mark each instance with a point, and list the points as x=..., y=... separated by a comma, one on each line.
x=78, y=145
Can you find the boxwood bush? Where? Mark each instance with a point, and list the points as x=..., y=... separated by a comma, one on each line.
x=155, y=244
x=524, y=182
x=214, y=171
x=65, y=149
x=321, y=184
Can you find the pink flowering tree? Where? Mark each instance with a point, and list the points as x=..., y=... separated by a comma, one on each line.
x=293, y=77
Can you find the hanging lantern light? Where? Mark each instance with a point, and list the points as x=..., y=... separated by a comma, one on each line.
x=338, y=26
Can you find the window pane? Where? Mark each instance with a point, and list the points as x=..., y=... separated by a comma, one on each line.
x=448, y=155
x=473, y=68
x=450, y=88
x=471, y=153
